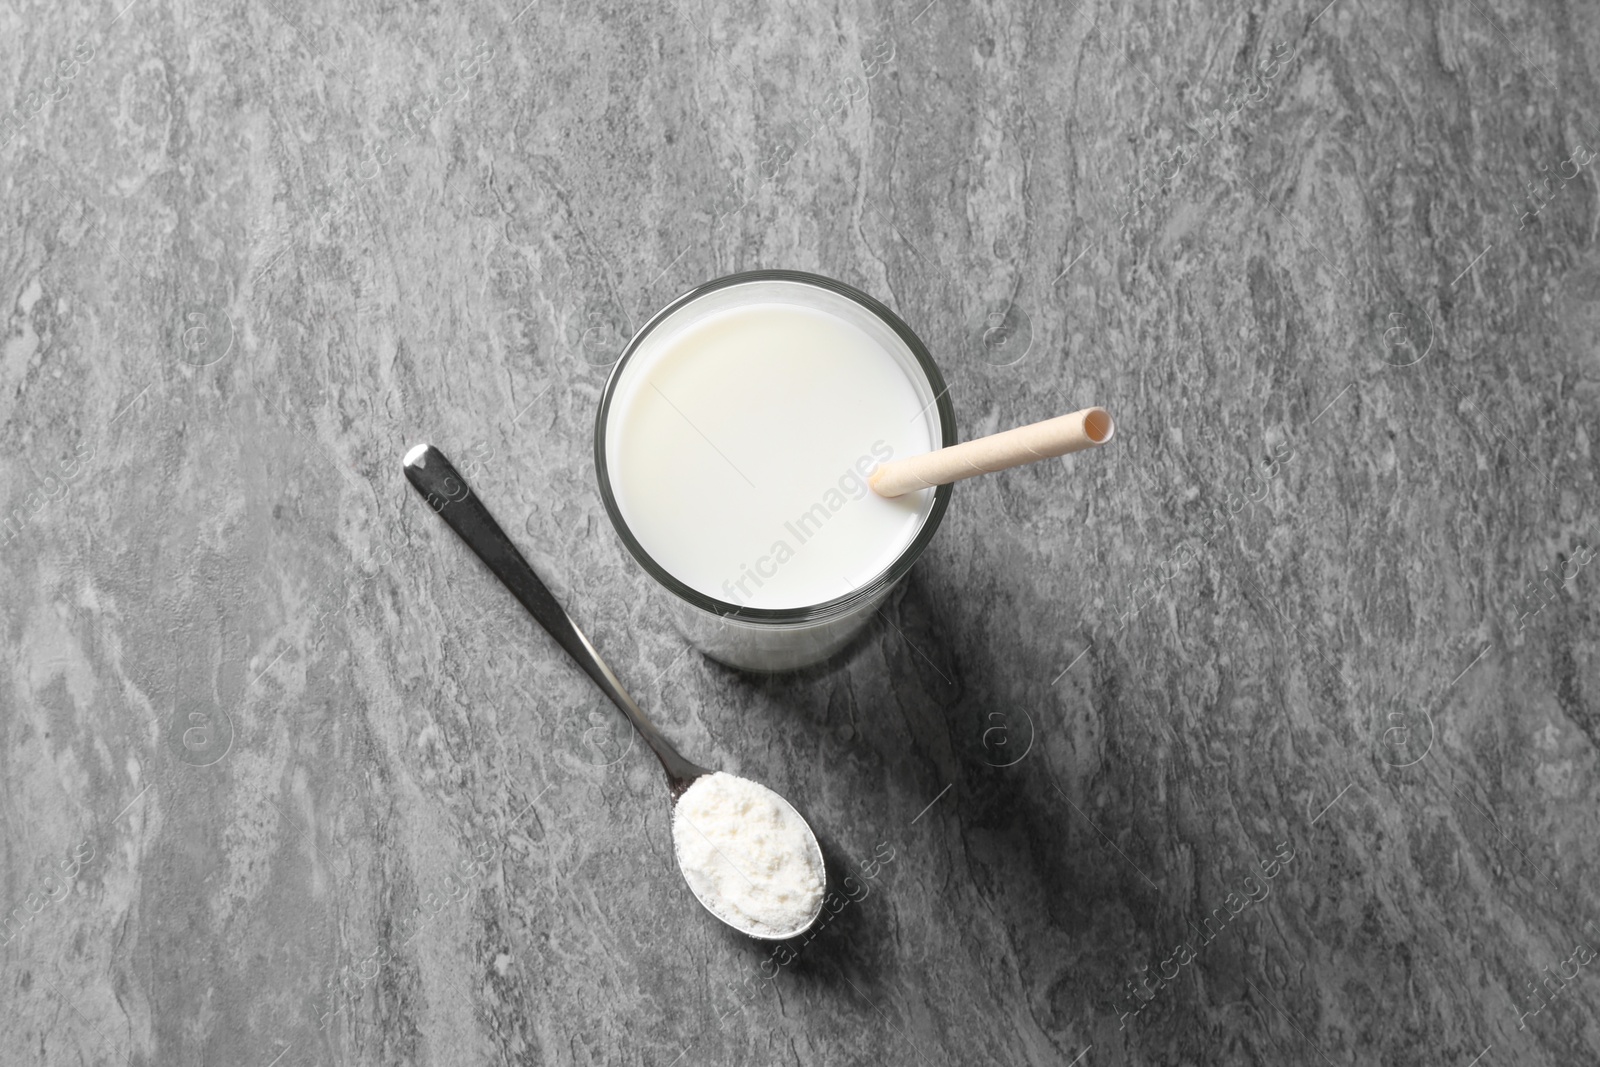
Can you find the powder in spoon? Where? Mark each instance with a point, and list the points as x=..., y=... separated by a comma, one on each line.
x=747, y=855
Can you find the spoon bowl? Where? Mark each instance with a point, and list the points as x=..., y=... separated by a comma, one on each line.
x=749, y=925
x=447, y=493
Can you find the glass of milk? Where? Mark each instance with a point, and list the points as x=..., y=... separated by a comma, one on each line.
x=733, y=445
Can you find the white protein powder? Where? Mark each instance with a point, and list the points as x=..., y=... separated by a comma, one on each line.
x=747, y=855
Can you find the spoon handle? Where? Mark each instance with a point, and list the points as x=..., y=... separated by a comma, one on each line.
x=448, y=493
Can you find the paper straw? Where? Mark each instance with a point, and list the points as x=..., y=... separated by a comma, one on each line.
x=1010, y=448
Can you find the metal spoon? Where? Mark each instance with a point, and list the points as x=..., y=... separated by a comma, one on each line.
x=448, y=493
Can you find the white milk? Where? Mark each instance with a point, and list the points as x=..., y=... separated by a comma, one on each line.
x=739, y=446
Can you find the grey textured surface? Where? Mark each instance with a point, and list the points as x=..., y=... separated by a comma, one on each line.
x=288, y=780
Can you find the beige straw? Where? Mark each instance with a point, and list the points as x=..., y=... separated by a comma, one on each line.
x=1010, y=448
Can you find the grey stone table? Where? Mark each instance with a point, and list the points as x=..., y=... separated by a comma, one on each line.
x=1265, y=735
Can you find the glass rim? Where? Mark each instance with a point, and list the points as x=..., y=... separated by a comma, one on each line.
x=827, y=609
